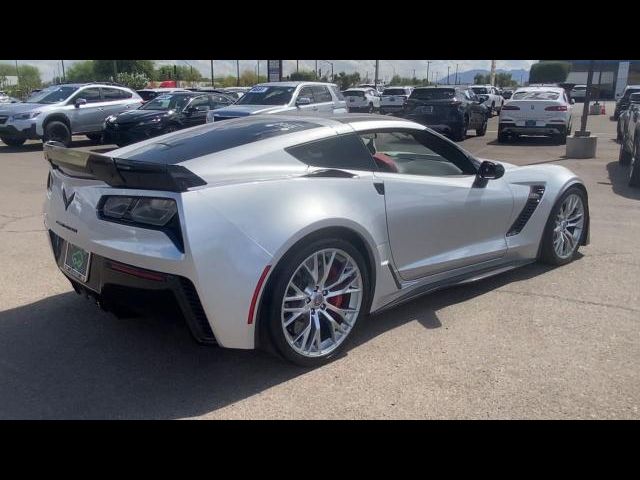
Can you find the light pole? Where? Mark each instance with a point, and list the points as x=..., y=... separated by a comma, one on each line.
x=447, y=74
x=237, y=73
x=213, y=82
x=64, y=78
x=428, y=63
x=330, y=63
x=456, y=80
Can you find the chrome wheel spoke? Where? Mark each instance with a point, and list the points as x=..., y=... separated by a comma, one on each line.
x=312, y=326
x=569, y=223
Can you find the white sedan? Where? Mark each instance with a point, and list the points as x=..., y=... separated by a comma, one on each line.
x=362, y=99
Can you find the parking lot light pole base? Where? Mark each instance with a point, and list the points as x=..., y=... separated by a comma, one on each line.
x=581, y=146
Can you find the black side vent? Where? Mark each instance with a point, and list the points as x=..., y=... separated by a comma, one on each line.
x=199, y=323
x=535, y=195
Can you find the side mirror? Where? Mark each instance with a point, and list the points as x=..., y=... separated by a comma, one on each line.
x=573, y=101
x=303, y=101
x=80, y=101
x=490, y=171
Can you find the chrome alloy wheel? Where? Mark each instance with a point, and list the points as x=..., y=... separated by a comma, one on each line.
x=321, y=302
x=569, y=224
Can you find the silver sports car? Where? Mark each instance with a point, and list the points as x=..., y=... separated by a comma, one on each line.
x=284, y=232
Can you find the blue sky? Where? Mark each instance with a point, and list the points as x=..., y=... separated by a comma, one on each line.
x=50, y=68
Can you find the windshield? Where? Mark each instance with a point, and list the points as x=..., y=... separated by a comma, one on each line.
x=479, y=90
x=167, y=102
x=267, y=95
x=394, y=91
x=433, y=93
x=54, y=94
x=628, y=93
x=536, y=95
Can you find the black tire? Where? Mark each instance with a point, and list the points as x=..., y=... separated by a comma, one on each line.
x=276, y=290
x=371, y=109
x=13, y=142
x=95, y=137
x=624, y=157
x=547, y=253
x=57, y=131
x=480, y=132
x=502, y=136
x=460, y=132
x=492, y=111
x=170, y=128
x=561, y=138
x=634, y=170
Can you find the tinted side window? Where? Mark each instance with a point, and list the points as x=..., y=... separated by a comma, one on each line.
x=307, y=92
x=321, y=94
x=111, y=94
x=91, y=95
x=343, y=151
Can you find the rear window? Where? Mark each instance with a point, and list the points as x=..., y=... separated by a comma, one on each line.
x=628, y=93
x=536, y=95
x=147, y=94
x=480, y=90
x=343, y=151
x=579, y=87
x=214, y=137
x=394, y=91
x=353, y=93
x=433, y=93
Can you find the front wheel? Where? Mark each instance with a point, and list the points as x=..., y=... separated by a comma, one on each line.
x=13, y=142
x=460, y=132
x=483, y=128
x=634, y=171
x=370, y=108
x=565, y=228
x=320, y=293
x=95, y=137
x=57, y=132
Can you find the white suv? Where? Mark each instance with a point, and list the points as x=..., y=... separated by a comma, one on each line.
x=60, y=111
x=362, y=99
x=489, y=96
x=394, y=98
x=537, y=111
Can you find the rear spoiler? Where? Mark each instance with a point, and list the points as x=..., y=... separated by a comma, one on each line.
x=120, y=172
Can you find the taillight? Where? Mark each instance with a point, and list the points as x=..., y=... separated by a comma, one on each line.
x=510, y=107
x=557, y=108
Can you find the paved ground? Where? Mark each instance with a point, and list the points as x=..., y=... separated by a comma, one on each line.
x=533, y=343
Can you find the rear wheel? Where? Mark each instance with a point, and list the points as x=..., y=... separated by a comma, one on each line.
x=565, y=228
x=624, y=157
x=502, y=136
x=460, y=132
x=170, y=128
x=482, y=129
x=320, y=293
x=58, y=132
x=634, y=171
x=370, y=108
x=13, y=142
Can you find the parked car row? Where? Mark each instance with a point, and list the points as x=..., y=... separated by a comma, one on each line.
x=623, y=102
x=629, y=138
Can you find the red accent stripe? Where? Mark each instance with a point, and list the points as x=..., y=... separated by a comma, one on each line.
x=256, y=292
x=137, y=272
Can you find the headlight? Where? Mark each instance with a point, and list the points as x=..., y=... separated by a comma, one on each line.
x=26, y=116
x=110, y=119
x=148, y=122
x=146, y=210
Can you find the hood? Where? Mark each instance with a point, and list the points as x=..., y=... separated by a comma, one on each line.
x=244, y=110
x=141, y=115
x=14, y=108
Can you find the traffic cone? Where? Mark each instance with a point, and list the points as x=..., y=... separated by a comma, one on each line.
x=602, y=110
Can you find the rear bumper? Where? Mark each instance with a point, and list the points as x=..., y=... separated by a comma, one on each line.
x=124, y=136
x=439, y=125
x=547, y=129
x=10, y=131
x=115, y=283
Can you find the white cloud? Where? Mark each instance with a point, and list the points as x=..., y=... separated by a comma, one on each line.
x=405, y=68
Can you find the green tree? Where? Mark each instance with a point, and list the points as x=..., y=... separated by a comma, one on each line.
x=104, y=69
x=135, y=81
x=549, y=72
x=177, y=72
x=81, y=72
x=481, y=79
x=302, y=75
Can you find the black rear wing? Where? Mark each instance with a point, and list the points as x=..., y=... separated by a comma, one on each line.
x=120, y=172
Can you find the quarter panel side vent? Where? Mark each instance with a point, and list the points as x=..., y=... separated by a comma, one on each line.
x=535, y=196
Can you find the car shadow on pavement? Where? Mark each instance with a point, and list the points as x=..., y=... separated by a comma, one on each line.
x=619, y=177
x=27, y=147
x=527, y=142
x=63, y=358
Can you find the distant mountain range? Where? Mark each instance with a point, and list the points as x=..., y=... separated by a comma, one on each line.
x=519, y=75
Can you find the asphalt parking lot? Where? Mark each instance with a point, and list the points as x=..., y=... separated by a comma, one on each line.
x=533, y=343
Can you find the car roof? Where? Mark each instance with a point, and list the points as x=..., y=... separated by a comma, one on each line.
x=291, y=84
x=547, y=89
x=358, y=89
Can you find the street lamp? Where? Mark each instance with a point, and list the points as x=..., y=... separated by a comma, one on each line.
x=330, y=63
